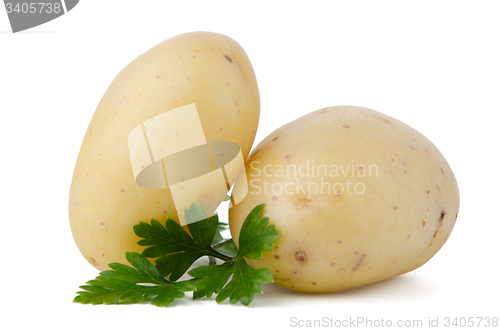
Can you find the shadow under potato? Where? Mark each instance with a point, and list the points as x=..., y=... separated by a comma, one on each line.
x=400, y=288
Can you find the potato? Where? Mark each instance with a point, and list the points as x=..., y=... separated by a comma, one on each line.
x=358, y=197
x=208, y=69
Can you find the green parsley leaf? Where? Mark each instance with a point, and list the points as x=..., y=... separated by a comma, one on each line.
x=255, y=236
x=121, y=285
x=173, y=247
x=226, y=247
x=217, y=238
x=244, y=283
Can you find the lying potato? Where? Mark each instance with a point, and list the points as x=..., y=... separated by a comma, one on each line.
x=206, y=69
x=358, y=196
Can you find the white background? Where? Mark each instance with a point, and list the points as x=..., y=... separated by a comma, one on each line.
x=434, y=65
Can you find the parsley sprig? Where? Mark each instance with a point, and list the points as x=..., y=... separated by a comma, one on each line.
x=175, y=251
x=122, y=285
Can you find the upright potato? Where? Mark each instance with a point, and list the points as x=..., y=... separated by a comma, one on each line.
x=208, y=69
x=358, y=196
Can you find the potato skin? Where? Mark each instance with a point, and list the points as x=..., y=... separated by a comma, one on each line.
x=335, y=241
x=208, y=69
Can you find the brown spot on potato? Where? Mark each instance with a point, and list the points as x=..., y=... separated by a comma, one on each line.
x=228, y=58
x=274, y=198
x=403, y=163
x=395, y=208
x=411, y=146
x=428, y=192
x=122, y=190
x=277, y=271
x=358, y=263
x=392, y=160
x=301, y=256
x=313, y=283
x=409, y=236
x=339, y=241
x=442, y=216
x=277, y=257
x=346, y=126
x=164, y=211
x=93, y=261
x=302, y=203
x=423, y=223
x=275, y=138
x=102, y=223
x=332, y=264
x=288, y=156
x=442, y=171
x=356, y=252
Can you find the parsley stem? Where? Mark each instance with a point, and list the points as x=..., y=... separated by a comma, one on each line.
x=223, y=243
x=227, y=253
